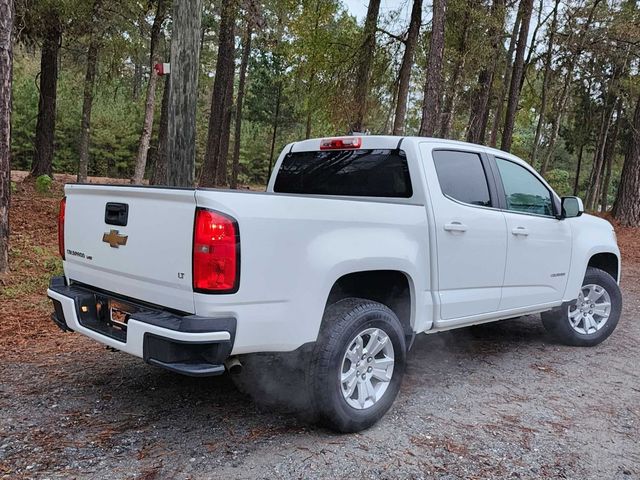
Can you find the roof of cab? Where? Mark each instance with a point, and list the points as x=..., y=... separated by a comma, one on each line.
x=390, y=141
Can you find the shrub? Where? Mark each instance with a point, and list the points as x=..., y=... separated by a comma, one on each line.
x=43, y=184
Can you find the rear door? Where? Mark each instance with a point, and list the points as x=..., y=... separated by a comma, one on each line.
x=470, y=232
x=539, y=245
x=134, y=241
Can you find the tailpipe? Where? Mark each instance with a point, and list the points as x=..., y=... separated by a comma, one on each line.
x=233, y=366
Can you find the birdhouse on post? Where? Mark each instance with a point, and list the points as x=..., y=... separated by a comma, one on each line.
x=162, y=68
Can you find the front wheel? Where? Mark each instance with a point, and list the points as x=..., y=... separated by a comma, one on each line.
x=593, y=317
x=357, y=364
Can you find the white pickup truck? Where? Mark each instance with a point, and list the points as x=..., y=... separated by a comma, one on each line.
x=358, y=244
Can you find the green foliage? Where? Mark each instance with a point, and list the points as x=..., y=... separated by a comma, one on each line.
x=13, y=187
x=304, y=54
x=25, y=108
x=560, y=181
x=43, y=184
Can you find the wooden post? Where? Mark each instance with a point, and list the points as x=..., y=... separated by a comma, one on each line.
x=183, y=92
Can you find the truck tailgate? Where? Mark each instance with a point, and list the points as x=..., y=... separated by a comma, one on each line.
x=149, y=258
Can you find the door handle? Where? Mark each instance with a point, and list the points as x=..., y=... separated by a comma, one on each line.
x=455, y=227
x=520, y=231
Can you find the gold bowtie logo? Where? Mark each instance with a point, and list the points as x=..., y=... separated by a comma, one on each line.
x=114, y=239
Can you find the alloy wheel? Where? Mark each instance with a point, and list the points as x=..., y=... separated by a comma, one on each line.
x=367, y=368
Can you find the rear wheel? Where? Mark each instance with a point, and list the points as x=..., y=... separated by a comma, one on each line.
x=593, y=317
x=347, y=380
x=357, y=364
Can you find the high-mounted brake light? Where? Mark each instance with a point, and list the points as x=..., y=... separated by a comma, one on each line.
x=216, y=253
x=340, y=143
x=63, y=206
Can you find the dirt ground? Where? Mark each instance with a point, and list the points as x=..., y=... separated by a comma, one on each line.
x=497, y=401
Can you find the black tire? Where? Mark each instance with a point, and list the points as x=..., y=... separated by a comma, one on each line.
x=342, y=321
x=557, y=321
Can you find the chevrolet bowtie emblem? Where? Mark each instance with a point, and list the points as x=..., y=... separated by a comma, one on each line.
x=114, y=239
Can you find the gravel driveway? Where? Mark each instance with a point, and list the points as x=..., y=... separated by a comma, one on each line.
x=496, y=401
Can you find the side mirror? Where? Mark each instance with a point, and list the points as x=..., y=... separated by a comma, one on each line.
x=571, y=207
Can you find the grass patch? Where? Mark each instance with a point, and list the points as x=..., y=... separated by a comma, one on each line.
x=26, y=287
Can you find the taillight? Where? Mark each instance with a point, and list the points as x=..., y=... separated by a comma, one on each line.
x=216, y=253
x=63, y=205
x=340, y=143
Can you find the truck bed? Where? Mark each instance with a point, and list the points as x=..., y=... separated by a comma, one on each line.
x=155, y=264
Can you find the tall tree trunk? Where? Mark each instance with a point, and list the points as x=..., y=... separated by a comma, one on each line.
x=246, y=50
x=274, y=134
x=555, y=126
x=405, y=67
x=87, y=102
x=159, y=175
x=452, y=99
x=367, y=49
x=309, y=122
x=599, y=158
x=433, y=85
x=564, y=95
x=610, y=153
x=391, y=109
x=576, y=182
x=221, y=171
x=479, y=114
x=598, y=172
x=516, y=76
x=311, y=78
x=215, y=159
x=46, y=123
x=626, y=208
x=138, y=59
x=183, y=93
x=137, y=80
x=150, y=103
x=506, y=80
x=6, y=74
x=545, y=82
x=596, y=166
x=533, y=42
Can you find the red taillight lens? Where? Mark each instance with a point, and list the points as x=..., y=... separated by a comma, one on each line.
x=216, y=253
x=340, y=143
x=63, y=205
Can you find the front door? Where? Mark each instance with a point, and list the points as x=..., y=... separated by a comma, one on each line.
x=470, y=233
x=539, y=245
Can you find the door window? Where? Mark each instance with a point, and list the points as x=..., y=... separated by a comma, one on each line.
x=523, y=191
x=462, y=177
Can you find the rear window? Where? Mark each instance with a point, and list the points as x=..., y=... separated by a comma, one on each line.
x=366, y=173
x=461, y=176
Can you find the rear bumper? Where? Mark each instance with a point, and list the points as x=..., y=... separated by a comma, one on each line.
x=187, y=344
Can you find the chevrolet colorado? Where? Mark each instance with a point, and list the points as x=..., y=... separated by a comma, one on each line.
x=358, y=244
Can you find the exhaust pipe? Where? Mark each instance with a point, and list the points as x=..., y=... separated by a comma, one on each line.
x=233, y=365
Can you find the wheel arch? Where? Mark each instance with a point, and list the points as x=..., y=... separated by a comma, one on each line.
x=393, y=288
x=607, y=262
x=604, y=257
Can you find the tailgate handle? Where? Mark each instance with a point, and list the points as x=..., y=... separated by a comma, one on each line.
x=116, y=214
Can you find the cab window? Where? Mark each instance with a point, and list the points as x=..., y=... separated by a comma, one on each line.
x=366, y=173
x=523, y=191
x=462, y=177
